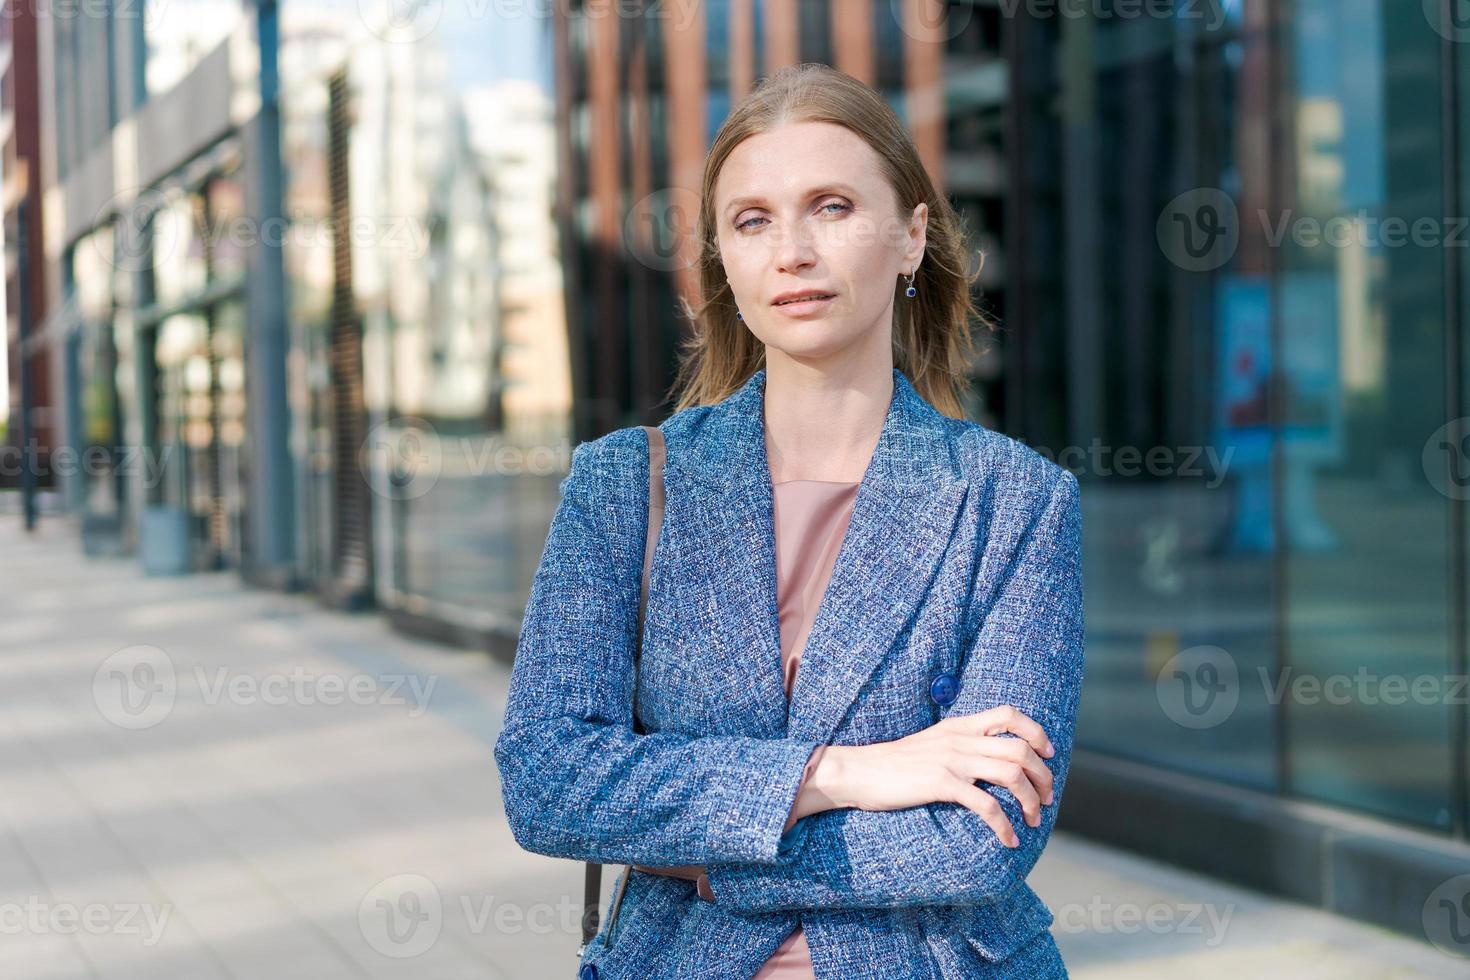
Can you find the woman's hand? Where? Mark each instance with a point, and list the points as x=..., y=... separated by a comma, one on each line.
x=941, y=764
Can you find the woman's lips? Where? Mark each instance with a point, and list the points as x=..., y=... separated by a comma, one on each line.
x=803, y=306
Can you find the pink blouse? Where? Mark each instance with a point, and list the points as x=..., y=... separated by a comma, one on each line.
x=810, y=520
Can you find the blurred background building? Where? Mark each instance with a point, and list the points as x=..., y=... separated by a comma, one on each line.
x=326, y=292
x=27, y=422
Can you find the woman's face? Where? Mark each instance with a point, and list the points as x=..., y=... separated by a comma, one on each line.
x=805, y=208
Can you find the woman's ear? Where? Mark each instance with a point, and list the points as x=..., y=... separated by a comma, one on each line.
x=918, y=235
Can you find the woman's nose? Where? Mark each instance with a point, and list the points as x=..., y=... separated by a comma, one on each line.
x=794, y=250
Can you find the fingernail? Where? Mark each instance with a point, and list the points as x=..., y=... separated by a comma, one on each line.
x=1051, y=750
x=1051, y=796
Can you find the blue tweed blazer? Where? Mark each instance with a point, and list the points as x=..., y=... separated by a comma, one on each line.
x=962, y=556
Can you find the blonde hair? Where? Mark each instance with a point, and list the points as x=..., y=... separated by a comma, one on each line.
x=932, y=341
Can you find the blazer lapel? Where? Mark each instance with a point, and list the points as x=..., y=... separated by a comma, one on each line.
x=732, y=542
x=902, y=521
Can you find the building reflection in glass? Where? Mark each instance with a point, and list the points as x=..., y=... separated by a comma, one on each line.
x=1362, y=335
x=192, y=334
x=1188, y=292
x=437, y=273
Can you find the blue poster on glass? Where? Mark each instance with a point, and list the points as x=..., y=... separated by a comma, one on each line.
x=1311, y=410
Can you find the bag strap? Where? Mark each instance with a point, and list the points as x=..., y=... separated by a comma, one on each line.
x=592, y=884
x=656, y=455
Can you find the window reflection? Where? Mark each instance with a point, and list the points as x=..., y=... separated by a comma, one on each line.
x=439, y=275
x=1362, y=337
x=1262, y=617
x=1144, y=378
x=179, y=268
x=191, y=332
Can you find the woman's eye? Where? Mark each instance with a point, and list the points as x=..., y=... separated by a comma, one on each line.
x=741, y=226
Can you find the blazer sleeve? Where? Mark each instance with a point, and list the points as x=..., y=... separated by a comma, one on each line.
x=1028, y=653
x=577, y=781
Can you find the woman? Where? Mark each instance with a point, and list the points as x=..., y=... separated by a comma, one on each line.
x=862, y=647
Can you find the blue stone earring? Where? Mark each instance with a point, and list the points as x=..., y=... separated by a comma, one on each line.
x=911, y=292
x=739, y=315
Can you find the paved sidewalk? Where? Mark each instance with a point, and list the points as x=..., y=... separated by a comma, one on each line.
x=199, y=780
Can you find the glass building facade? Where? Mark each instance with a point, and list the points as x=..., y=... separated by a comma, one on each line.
x=430, y=385
x=1236, y=253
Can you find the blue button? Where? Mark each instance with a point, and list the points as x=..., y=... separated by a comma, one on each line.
x=588, y=972
x=944, y=689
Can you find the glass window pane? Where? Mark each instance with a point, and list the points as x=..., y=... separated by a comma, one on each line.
x=1140, y=368
x=1363, y=344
